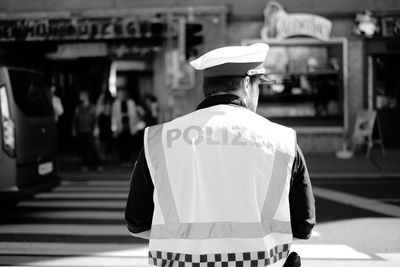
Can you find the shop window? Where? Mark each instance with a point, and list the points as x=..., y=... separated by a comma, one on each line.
x=308, y=88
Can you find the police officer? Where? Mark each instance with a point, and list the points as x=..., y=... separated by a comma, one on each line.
x=222, y=186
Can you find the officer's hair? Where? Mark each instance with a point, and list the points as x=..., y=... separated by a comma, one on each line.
x=214, y=85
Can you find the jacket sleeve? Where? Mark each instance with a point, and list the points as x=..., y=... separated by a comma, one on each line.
x=301, y=199
x=140, y=206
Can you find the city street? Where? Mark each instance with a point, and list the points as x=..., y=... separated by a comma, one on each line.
x=219, y=101
x=81, y=223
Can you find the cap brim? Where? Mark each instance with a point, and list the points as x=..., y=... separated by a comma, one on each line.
x=265, y=80
x=261, y=73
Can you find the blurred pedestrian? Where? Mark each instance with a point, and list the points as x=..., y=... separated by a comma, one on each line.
x=124, y=124
x=151, y=110
x=84, y=127
x=103, y=113
x=56, y=101
x=222, y=185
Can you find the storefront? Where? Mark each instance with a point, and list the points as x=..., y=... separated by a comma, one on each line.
x=383, y=78
x=143, y=51
x=327, y=70
x=309, y=68
x=322, y=79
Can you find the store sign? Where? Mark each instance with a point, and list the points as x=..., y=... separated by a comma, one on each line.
x=126, y=50
x=364, y=126
x=78, y=29
x=94, y=49
x=281, y=25
x=72, y=51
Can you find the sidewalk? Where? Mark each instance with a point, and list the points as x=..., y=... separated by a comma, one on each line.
x=321, y=166
x=377, y=166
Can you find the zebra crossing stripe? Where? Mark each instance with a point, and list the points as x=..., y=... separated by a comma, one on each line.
x=74, y=249
x=390, y=257
x=307, y=251
x=92, y=215
x=98, y=183
x=65, y=229
x=325, y=251
x=73, y=204
x=82, y=195
x=90, y=189
x=86, y=261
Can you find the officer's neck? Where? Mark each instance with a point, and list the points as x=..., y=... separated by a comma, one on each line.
x=239, y=93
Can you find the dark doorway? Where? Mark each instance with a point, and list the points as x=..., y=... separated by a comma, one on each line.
x=136, y=83
x=387, y=96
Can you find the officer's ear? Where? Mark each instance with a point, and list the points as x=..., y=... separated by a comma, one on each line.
x=247, y=86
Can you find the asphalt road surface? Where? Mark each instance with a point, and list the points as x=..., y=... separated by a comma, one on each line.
x=81, y=224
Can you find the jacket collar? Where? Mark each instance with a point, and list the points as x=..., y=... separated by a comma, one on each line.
x=226, y=99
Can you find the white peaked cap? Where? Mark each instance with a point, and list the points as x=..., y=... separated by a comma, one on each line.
x=233, y=61
x=232, y=54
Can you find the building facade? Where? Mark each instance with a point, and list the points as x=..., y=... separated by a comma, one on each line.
x=141, y=46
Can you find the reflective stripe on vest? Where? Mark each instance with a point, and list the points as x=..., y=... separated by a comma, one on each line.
x=174, y=229
x=162, y=184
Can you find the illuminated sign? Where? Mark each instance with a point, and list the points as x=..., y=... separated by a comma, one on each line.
x=78, y=29
x=71, y=51
x=94, y=49
x=280, y=25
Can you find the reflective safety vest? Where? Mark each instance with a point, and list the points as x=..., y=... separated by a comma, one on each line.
x=221, y=177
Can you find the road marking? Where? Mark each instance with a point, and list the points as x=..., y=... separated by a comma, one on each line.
x=107, y=175
x=73, y=261
x=85, y=214
x=65, y=229
x=322, y=251
x=315, y=234
x=74, y=249
x=91, y=189
x=357, y=201
x=82, y=195
x=104, y=183
x=73, y=204
x=347, y=263
x=313, y=251
x=392, y=257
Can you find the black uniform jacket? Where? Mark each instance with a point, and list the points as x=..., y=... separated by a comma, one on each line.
x=140, y=206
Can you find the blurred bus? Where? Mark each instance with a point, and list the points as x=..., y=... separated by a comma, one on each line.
x=28, y=135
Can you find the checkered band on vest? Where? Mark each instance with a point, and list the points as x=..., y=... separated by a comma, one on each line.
x=243, y=259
